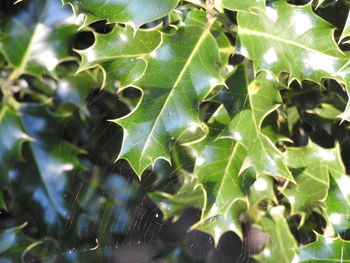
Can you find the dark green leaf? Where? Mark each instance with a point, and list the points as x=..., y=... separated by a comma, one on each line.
x=37, y=38
x=134, y=13
x=180, y=74
x=254, y=100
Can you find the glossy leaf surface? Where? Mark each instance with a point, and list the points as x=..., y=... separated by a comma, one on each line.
x=134, y=13
x=263, y=38
x=325, y=250
x=338, y=202
x=311, y=166
x=245, y=6
x=217, y=168
x=120, y=54
x=256, y=99
x=280, y=244
x=37, y=38
x=179, y=75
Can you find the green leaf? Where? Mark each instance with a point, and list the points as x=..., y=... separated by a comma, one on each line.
x=11, y=237
x=134, y=13
x=120, y=54
x=245, y=6
x=217, y=170
x=338, y=202
x=36, y=39
x=189, y=194
x=222, y=223
x=262, y=189
x=325, y=250
x=326, y=111
x=346, y=30
x=281, y=243
x=310, y=165
x=254, y=101
x=43, y=181
x=74, y=89
x=180, y=74
x=12, y=136
x=291, y=39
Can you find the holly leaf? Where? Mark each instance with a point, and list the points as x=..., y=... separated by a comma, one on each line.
x=219, y=224
x=244, y=6
x=165, y=112
x=134, y=13
x=324, y=249
x=12, y=136
x=43, y=181
x=326, y=111
x=310, y=165
x=217, y=170
x=281, y=243
x=262, y=189
x=338, y=202
x=189, y=195
x=254, y=100
x=346, y=31
x=306, y=50
x=11, y=238
x=120, y=54
x=37, y=38
x=74, y=89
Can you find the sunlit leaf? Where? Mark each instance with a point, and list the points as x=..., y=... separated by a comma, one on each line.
x=245, y=6
x=254, y=100
x=325, y=250
x=280, y=244
x=310, y=166
x=306, y=50
x=120, y=54
x=134, y=13
x=37, y=38
x=180, y=74
x=217, y=168
x=338, y=202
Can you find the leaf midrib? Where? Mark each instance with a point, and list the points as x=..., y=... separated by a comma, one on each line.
x=20, y=70
x=179, y=78
x=257, y=125
x=246, y=31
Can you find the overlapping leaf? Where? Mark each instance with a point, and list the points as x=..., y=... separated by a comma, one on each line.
x=189, y=195
x=338, y=202
x=132, y=12
x=287, y=38
x=13, y=243
x=281, y=243
x=325, y=250
x=245, y=6
x=37, y=38
x=12, y=136
x=254, y=100
x=217, y=170
x=346, y=30
x=311, y=165
x=179, y=75
x=120, y=54
x=43, y=179
x=283, y=38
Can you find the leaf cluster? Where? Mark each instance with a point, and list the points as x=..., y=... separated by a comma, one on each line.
x=239, y=109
